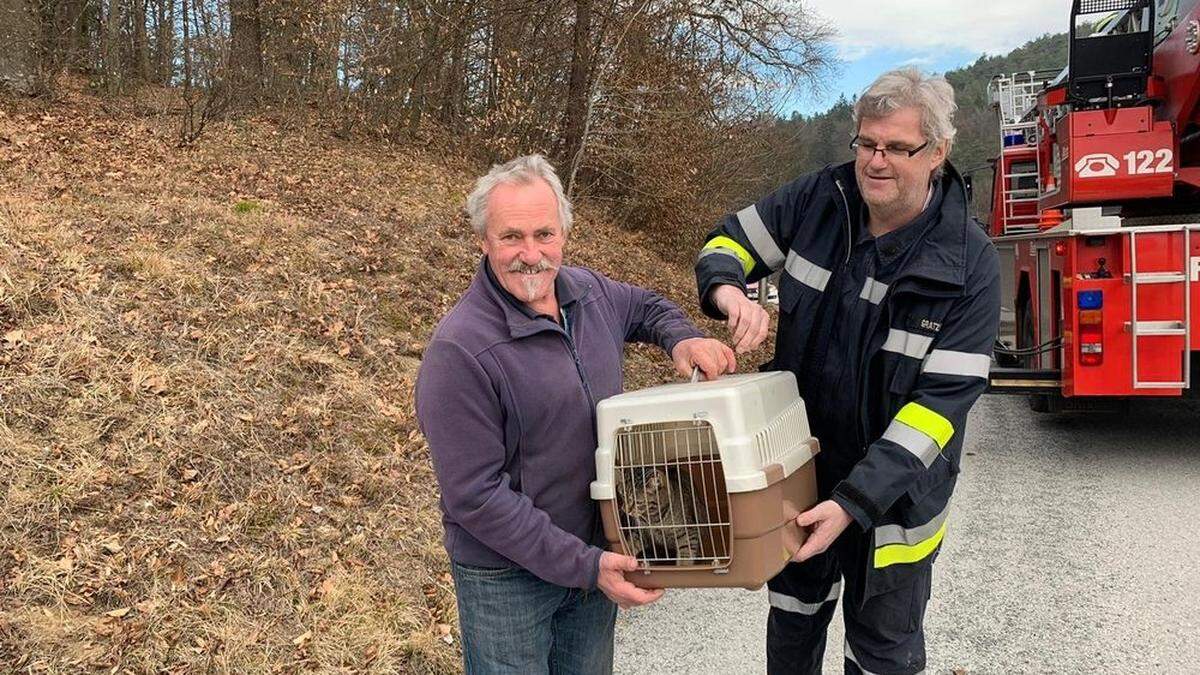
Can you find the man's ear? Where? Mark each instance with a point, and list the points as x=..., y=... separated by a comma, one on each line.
x=939, y=155
x=482, y=245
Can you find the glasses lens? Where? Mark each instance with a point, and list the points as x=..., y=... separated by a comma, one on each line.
x=889, y=152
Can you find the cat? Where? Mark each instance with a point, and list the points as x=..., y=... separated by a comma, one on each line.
x=658, y=512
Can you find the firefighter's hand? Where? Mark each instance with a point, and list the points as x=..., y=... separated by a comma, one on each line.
x=612, y=581
x=748, y=322
x=824, y=523
x=711, y=356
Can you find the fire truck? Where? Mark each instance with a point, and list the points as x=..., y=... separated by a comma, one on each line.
x=1096, y=211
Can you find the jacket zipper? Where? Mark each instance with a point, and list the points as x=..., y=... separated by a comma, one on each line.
x=864, y=367
x=886, y=308
x=849, y=234
x=587, y=389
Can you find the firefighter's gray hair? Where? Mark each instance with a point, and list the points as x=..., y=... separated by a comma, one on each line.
x=910, y=88
x=519, y=171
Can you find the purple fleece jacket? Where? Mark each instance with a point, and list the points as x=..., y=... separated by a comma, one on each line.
x=507, y=401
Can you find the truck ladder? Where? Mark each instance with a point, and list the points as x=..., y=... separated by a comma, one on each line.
x=1014, y=97
x=1139, y=329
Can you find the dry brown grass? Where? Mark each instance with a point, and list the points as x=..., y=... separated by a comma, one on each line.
x=208, y=457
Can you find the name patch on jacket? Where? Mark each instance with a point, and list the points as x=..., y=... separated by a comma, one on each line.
x=923, y=325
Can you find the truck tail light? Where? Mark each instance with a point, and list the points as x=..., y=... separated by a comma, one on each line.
x=1091, y=328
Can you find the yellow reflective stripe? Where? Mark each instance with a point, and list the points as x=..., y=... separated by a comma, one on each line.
x=927, y=422
x=734, y=247
x=893, y=554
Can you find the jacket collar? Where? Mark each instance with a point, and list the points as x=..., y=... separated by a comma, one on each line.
x=940, y=254
x=522, y=321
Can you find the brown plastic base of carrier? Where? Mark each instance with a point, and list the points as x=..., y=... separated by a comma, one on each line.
x=764, y=534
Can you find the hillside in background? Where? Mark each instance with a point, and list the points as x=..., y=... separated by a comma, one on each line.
x=812, y=142
x=208, y=457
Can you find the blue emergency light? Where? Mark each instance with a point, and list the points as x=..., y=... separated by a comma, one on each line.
x=1091, y=299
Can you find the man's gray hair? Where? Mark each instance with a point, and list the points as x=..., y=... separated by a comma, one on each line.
x=910, y=88
x=520, y=171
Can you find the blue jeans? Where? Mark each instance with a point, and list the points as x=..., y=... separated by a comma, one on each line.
x=514, y=622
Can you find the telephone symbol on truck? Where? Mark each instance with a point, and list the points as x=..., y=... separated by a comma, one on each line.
x=1097, y=165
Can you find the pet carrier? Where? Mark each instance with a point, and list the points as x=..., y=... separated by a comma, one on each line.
x=702, y=481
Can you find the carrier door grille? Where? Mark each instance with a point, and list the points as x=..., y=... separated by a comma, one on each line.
x=1098, y=6
x=672, y=502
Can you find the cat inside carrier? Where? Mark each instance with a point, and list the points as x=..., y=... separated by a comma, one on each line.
x=702, y=481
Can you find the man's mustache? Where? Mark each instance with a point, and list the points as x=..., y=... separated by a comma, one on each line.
x=542, y=265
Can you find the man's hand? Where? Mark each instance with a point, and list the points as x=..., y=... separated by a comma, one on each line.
x=712, y=357
x=612, y=581
x=824, y=523
x=748, y=322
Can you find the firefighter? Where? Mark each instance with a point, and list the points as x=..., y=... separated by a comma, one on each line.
x=889, y=298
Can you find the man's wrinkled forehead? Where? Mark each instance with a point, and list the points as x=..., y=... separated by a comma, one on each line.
x=524, y=205
x=902, y=124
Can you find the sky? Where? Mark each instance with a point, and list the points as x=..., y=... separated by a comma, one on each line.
x=935, y=35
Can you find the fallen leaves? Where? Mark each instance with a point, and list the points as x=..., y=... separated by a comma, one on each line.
x=226, y=357
x=16, y=338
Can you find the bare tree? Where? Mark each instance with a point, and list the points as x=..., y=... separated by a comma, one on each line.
x=164, y=41
x=112, y=46
x=578, y=89
x=141, y=40
x=18, y=39
x=245, y=50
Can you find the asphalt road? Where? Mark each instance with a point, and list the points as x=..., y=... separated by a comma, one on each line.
x=1073, y=547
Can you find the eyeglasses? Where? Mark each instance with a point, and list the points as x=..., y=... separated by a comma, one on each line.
x=864, y=148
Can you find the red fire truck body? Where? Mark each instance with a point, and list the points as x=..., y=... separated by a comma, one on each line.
x=1096, y=209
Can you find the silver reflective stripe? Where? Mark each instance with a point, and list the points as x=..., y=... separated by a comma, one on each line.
x=895, y=534
x=796, y=606
x=908, y=344
x=946, y=362
x=807, y=273
x=722, y=251
x=917, y=442
x=873, y=291
x=759, y=237
x=850, y=657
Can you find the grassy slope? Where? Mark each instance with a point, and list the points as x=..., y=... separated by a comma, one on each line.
x=208, y=457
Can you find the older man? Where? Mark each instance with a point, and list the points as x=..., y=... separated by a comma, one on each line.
x=888, y=309
x=506, y=397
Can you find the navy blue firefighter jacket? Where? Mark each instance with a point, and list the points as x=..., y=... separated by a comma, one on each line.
x=890, y=339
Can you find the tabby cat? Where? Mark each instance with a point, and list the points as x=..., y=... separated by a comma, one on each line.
x=658, y=513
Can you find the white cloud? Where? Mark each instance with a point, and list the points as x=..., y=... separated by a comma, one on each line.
x=926, y=26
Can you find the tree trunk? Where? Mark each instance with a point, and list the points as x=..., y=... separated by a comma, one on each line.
x=187, y=50
x=577, y=87
x=454, y=83
x=323, y=63
x=112, y=47
x=141, y=42
x=245, y=49
x=164, y=42
x=18, y=42
x=422, y=81
x=286, y=42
